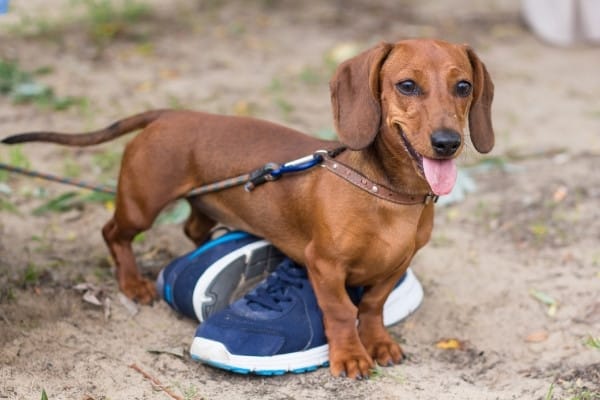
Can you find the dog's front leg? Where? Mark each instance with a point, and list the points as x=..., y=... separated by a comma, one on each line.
x=372, y=333
x=347, y=356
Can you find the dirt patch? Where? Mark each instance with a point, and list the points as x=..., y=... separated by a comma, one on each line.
x=513, y=271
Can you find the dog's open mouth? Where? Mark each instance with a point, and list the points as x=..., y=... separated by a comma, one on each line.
x=440, y=174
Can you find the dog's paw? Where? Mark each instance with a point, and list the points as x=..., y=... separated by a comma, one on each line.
x=386, y=353
x=354, y=364
x=141, y=290
x=380, y=345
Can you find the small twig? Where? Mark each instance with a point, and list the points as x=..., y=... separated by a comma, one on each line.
x=155, y=382
x=4, y=318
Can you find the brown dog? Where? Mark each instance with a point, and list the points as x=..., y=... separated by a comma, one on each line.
x=400, y=109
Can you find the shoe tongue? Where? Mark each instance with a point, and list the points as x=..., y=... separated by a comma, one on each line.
x=440, y=174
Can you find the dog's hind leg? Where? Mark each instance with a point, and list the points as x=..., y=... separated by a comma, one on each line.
x=118, y=238
x=197, y=227
x=136, y=207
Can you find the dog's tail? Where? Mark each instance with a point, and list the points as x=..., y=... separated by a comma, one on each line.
x=111, y=132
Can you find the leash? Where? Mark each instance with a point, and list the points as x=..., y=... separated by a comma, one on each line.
x=268, y=173
x=55, y=178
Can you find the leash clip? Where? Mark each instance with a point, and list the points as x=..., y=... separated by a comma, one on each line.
x=261, y=176
x=272, y=171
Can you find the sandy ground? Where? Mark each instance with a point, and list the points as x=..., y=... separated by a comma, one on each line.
x=529, y=233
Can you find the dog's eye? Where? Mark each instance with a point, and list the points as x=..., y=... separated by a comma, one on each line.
x=408, y=88
x=463, y=88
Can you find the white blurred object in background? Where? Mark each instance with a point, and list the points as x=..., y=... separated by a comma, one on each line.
x=563, y=22
x=590, y=20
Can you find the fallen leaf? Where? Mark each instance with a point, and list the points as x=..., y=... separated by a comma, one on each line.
x=542, y=297
x=82, y=287
x=450, y=344
x=537, y=337
x=560, y=194
x=593, y=342
x=129, y=305
x=174, y=351
x=92, y=298
x=547, y=300
x=552, y=310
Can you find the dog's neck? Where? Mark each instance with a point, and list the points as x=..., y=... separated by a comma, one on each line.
x=387, y=165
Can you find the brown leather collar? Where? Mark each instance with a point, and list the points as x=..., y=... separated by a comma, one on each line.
x=373, y=188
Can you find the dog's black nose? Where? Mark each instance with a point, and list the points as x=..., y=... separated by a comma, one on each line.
x=445, y=142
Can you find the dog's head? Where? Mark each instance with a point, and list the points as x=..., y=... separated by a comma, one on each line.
x=420, y=95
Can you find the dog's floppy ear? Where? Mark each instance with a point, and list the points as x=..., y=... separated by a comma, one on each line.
x=480, y=115
x=355, y=97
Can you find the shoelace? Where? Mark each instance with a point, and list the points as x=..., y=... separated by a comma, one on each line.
x=273, y=293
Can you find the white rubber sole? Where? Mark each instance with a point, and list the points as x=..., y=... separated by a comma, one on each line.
x=403, y=300
x=234, y=263
x=215, y=354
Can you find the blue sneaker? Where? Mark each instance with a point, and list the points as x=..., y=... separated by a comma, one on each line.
x=274, y=329
x=278, y=327
x=211, y=277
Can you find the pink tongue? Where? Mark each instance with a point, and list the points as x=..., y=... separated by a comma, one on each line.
x=440, y=174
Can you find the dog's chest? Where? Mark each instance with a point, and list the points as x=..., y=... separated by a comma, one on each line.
x=383, y=241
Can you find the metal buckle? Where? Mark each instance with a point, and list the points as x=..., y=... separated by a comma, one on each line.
x=430, y=197
x=320, y=155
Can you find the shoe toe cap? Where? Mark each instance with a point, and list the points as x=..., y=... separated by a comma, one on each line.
x=241, y=339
